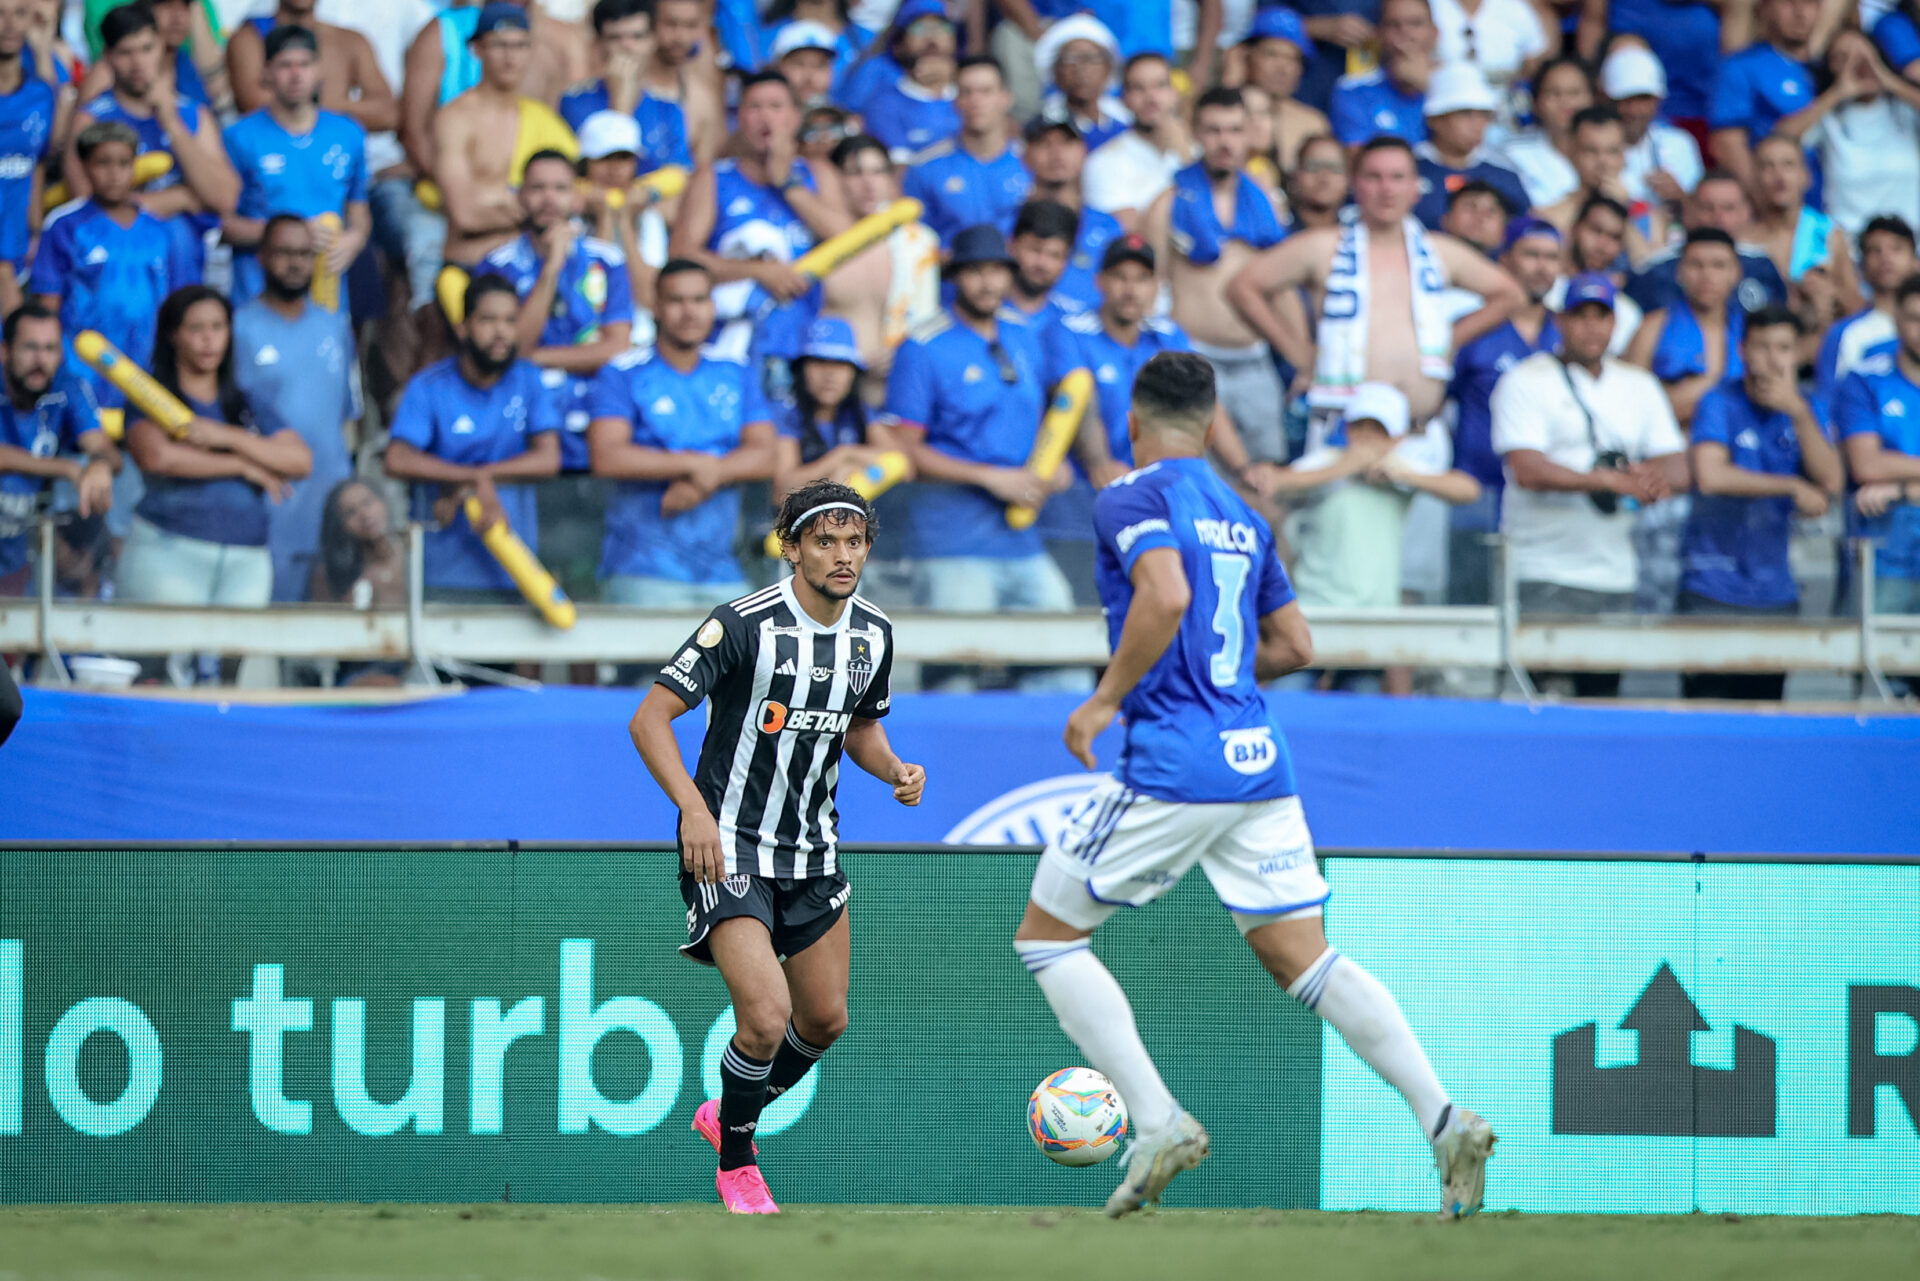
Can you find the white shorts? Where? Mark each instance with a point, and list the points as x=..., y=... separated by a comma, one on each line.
x=1122, y=849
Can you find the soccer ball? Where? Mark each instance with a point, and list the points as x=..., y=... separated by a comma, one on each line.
x=1076, y=1117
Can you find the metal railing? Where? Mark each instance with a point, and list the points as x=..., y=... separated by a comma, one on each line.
x=1495, y=637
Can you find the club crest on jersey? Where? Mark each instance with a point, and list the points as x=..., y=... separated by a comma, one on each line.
x=738, y=885
x=859, y=664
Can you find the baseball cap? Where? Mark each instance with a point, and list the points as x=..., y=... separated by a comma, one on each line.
x=831, y=338
x=1459, y=86
x=1277, y=22
x=801, y=35
x=1127, y=249
x=1631, y=72
x=1044, y=124
x=609, y=133
x=497, y=15
x=1588, y=287
x=1526, y=226
x=912, y=10
x=1383, y=403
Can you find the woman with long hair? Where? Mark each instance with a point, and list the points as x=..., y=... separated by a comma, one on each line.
x=199, y=535
x=1543, y=154
x=825, y=433
x=362, y=561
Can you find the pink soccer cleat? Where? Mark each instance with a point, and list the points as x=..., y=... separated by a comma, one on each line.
x=743, y=1191
x=706, y=1123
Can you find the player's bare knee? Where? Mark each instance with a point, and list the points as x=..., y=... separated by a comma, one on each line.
x=821, y=1026
x=1287, y=947
x=761, y=1024
x=1040, y=925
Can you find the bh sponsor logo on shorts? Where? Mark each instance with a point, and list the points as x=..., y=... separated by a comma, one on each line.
x=776, y=716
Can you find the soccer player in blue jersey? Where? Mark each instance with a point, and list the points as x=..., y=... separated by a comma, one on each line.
x=295, y=158
x=1199, y=610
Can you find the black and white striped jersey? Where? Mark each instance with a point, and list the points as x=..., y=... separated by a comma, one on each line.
x=784, y=691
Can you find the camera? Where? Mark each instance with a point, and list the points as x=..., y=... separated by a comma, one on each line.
x=1609, y=460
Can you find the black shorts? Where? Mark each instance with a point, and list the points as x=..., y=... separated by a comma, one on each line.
x=796, y=913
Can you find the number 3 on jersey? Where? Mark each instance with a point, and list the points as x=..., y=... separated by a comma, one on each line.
x=1229, y=583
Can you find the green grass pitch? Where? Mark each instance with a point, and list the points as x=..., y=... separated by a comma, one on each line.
x=829, y=1243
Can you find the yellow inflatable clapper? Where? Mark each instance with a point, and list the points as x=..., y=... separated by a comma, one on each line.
x=1057, y=430
x=528, y=574
x=141, y=389
x=869, y=231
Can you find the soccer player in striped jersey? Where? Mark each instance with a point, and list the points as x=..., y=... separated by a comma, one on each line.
x=1198, y=611
x=797, y=674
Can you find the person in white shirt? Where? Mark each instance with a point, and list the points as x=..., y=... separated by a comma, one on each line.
x=1543, y=155
x=1583, y=438
x=1503, y=38
x=1663, y=161
x=1126, y=173
x=1866, y=131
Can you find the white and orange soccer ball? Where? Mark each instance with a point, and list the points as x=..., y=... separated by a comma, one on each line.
x=1076, y=1117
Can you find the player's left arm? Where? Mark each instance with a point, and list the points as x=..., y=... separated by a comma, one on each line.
x=1286, y=643
x=868, y=746
x=1161, y=595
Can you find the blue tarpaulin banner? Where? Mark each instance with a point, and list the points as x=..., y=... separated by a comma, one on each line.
x=557, y=765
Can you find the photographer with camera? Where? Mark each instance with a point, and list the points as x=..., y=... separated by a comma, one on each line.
x=1585, y=439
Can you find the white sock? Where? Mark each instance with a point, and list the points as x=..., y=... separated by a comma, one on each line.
x=1366, y=1014
x=1094, y=1012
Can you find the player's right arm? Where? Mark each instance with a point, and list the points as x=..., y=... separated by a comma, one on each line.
x=708, y=656
x=652, y=731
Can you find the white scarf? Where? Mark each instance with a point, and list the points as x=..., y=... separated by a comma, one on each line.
x=1342, y=336
x=913, y=292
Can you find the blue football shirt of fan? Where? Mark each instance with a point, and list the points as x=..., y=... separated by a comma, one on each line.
x=186, y=229
x=1735, y=549
x=593, y=291
x=960, y=190
x=663, y=125
x=110, y=278
x=51, y=429
x=702, y=411
x=977, y=404
x=26, y=125
x=1878, y=399
x=321, y=171
x=1115, y=365
x=1370, y=106
x=1197, y=728
x=220, y=509
x=443, y=414
x=1077, y=283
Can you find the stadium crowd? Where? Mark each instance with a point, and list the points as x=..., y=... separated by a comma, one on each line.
x=1632, y=283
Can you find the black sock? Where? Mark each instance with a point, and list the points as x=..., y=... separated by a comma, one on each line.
x=793, y=1061
x=743, y=1092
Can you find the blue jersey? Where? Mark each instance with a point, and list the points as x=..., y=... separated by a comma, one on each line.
x=976, y=405
x=222, y=509
x=1115, y=365
x=1686, y=38
x=1756, y=88
x=110, y=278
x=186, y=230
x=663, y=125
x=321, y=171
x=594, y=291
x=704, y=411
x=751, y=220
x=1197, y=728
x=1849, y=345
x=1077, y=285
x=1370, y=106
x=1475, y=370
x=961, y=191
x=1879, y=399
x=1439, y=181
x=861, y=81
x=51, y=429
x=909, y=120
x=26, y=124
x=443, y=414
x=1657, y=284
x=1735, y=549
x=849, y=427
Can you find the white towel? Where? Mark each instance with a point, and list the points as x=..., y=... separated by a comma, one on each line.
x=913, y=293
x=1342, y=336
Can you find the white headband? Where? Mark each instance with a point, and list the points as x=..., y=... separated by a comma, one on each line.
x=793, y=530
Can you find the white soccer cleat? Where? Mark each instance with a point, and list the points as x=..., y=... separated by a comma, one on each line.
x=1152, y=1163
x=1461, y=1154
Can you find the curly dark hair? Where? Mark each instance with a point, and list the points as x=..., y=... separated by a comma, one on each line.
x=793, y=521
